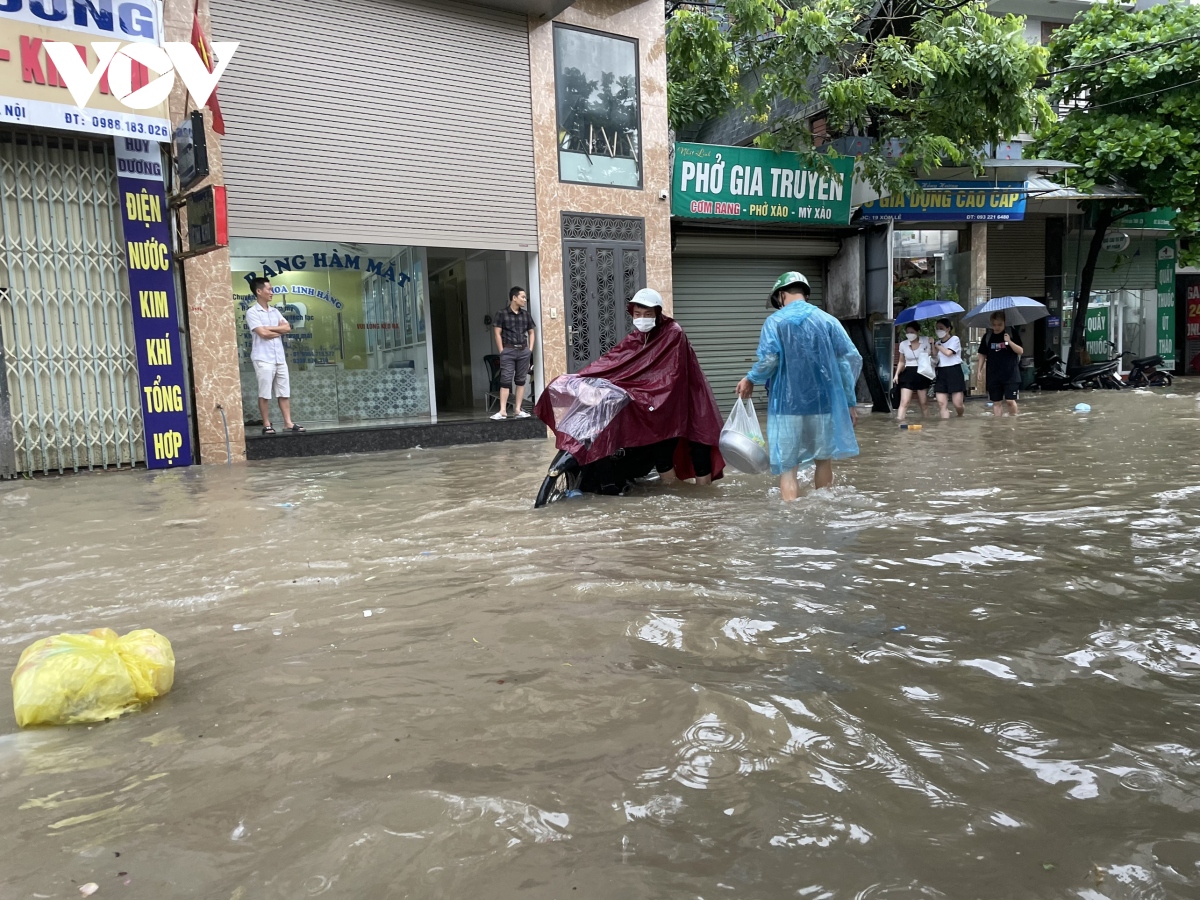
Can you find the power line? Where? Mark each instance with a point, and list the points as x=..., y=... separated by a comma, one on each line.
x=1139, y=96
x=1100, y=62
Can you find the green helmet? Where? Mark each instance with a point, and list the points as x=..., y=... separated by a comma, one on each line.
x=787, y=279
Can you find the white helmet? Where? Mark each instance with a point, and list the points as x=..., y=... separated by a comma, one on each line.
x=648, y=297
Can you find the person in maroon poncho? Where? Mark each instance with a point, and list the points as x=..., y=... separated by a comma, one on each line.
x=645, y=405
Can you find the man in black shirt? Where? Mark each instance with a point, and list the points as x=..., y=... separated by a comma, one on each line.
x=1002, y=366
x=514, y=338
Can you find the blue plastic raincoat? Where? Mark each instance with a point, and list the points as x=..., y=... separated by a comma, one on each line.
x=810, y=368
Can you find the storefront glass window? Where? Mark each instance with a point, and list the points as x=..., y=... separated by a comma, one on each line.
x=358, y=350
x=599, y=110
x=925, y=266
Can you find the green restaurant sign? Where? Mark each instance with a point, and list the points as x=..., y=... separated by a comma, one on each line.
x=747, y=184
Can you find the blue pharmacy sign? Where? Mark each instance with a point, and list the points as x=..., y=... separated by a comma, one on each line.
x=953, y=201
x=144, y=218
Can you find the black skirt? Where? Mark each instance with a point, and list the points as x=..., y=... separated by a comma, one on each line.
x=950, y=380
x=913, y=380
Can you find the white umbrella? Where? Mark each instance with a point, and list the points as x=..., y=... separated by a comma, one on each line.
x=1017, y=311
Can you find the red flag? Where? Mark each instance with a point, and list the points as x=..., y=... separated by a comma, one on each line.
x=200, y=42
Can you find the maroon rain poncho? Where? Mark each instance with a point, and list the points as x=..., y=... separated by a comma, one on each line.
x=669, y=397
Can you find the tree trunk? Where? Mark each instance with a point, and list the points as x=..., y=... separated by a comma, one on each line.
x=1104, y=218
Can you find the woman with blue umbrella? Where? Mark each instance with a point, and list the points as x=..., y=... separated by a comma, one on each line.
x=916, y=354
x=949, y=385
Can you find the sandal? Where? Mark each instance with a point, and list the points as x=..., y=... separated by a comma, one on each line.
x=296, y=429
x=267, y=429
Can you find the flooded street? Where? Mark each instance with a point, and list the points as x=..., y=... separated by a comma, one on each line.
x=970, y=671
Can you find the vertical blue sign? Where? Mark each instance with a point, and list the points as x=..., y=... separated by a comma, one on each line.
x=144, y=218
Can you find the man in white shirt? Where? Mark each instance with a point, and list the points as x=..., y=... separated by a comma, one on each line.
x=267, y=327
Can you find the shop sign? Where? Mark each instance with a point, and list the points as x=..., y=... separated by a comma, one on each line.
x=191, y=151
x=207, y=219
x=1192, y=340
x=1165, y=256
x=749, y=184
x=331, y=260
x=1115, y=242
x=952, y=201
x=145, y=221
x=1095, y=329
x=1160, y=219
x=34, y=90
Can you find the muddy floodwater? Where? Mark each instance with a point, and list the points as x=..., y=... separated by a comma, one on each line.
x=970, y=671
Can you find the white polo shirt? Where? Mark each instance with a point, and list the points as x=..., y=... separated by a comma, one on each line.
x=265, y=349
x=955, y=358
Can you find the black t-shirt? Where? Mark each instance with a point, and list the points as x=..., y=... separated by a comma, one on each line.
x=1003, y=363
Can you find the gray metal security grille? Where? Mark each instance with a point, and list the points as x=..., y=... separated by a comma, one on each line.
x=721, y=304
x=8, y=461
x=379, y=121
x=604, y=265
x=65, y=317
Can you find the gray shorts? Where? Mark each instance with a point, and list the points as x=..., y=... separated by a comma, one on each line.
x=514, y=367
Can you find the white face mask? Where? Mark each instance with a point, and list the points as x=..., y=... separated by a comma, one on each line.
x=912, y=335
x=643, y=325
x=941, y=333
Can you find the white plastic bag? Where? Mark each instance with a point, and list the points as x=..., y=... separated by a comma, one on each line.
x=742, y=442
x=925, y=366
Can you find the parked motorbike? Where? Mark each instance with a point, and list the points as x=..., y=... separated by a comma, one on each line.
x=1053, y=375
x=1144, y=371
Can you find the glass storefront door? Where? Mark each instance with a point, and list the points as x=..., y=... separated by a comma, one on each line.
x=358, y=350
x=380, y=334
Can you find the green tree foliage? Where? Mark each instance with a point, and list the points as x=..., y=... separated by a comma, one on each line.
x=933, y=79
x=1129, y=83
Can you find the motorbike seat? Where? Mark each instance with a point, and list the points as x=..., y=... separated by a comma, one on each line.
x=1146, y=361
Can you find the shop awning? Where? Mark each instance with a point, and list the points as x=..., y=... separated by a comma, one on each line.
x=1040, y=188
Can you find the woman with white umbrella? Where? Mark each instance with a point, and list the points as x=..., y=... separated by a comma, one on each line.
x=1001, y=357
x=999, y=353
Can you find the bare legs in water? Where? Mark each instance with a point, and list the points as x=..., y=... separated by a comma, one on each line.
x=789, y=484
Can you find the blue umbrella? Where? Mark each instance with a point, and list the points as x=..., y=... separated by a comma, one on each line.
x=928, y=309
x=1017, y=311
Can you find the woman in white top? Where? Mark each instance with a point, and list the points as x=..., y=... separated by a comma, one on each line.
x=949, y=385
x=907, y=375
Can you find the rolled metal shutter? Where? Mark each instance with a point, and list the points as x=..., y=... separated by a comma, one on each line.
x=721, y=302
x=1133, y=269
x=1016, y=258
x=379, y=122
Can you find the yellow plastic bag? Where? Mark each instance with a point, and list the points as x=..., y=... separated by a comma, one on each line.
x=73, y=678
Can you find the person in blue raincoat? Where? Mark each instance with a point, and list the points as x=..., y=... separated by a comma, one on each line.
x=810, y=367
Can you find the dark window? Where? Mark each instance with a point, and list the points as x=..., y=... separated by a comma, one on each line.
x=599, y=108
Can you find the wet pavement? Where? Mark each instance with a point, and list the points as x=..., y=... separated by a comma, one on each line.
x=970, y=671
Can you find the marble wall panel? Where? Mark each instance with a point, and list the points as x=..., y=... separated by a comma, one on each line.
x=212, y=334
x=645, y=22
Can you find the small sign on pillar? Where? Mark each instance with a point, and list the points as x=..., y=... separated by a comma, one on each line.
x=208, y=220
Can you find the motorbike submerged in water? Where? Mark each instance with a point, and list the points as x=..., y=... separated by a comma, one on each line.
x=584, y=410
x=643, y=406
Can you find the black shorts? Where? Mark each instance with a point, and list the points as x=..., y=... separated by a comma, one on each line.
x=913, y=380
x=950, y=380
x=514, y=366
x=1010, y=390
